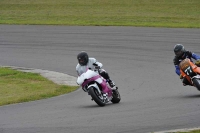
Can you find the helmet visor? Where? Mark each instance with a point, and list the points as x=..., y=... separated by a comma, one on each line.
x=81, y=61
x=179, y=53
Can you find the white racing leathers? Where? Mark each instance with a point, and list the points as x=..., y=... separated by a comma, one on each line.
x=92, y=62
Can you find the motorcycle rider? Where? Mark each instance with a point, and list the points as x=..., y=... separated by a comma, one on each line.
x=181, y=54
x=84, y=63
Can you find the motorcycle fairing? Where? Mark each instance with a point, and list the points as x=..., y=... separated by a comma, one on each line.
x=86, y=81
x=189, y=70
x=184, y=64
x=91, y=76
x=87, y=75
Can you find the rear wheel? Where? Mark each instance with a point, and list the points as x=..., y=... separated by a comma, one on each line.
x=96, y=96
x=116, y=96
x=196, y=83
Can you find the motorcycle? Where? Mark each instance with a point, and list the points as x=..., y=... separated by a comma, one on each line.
x=97, y=87
x=191, y=72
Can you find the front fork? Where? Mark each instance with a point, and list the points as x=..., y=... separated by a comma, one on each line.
x=95, y=86
x=196, y=77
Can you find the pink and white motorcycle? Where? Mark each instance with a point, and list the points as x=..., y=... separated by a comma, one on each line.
x=98, y=88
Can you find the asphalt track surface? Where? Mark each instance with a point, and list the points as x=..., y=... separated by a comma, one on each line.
x=139, y=60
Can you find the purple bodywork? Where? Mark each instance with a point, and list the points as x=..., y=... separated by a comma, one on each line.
x=104, y=86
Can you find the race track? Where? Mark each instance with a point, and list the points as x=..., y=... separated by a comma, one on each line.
x=139, y=60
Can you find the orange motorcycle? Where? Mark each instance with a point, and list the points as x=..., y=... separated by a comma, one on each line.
x=191, y=72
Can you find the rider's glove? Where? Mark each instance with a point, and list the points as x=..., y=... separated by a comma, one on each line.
x=97, y=67
x=189, y=53
x=181, y=76
x=197, y=63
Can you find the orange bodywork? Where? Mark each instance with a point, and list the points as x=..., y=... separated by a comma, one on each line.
x=185, y=64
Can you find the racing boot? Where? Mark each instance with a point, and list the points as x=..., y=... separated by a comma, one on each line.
x=111, y=83
x=105, y=97
x=197, y=63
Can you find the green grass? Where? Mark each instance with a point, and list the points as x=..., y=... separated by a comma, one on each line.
x=154, y=13
x=17, y=87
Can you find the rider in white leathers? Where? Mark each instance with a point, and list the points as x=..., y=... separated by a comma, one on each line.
x=84, y=63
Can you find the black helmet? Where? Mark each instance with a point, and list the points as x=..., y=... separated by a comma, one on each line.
x=179, y=50
x=82, y=58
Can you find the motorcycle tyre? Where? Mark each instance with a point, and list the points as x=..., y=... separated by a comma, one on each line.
x=196, y=83
x=116, y=96
x=95, y=97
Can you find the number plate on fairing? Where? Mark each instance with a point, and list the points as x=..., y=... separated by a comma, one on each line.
x=188, y=71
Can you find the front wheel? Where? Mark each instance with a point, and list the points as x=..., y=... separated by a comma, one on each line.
x=116, y=96
x=96, y=96
x=196, y=83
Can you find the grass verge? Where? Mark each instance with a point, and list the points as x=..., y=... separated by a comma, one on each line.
x=17, y=87
x=151, y=13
